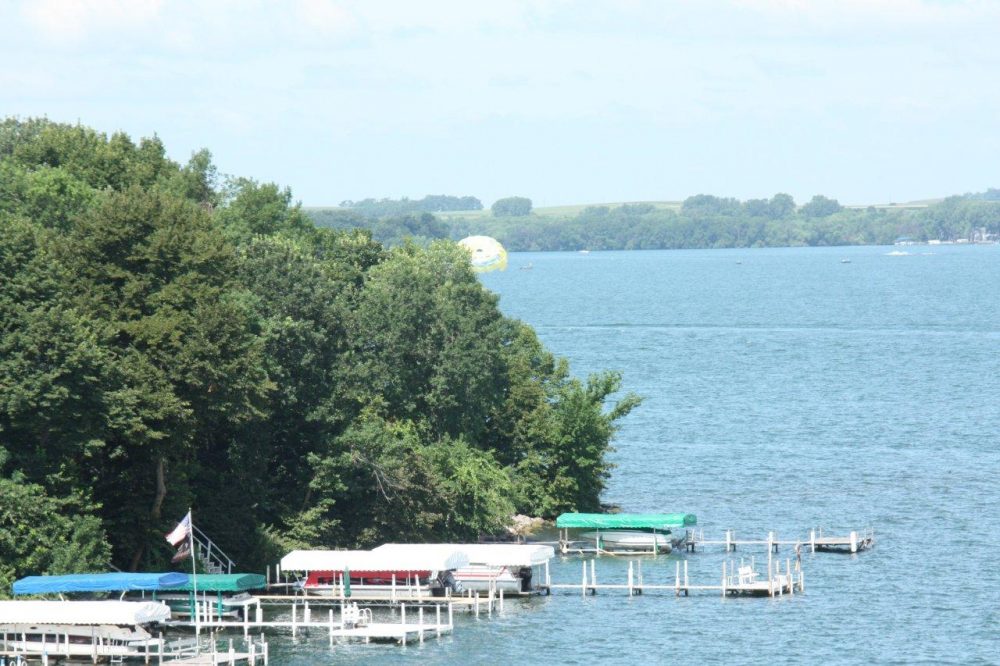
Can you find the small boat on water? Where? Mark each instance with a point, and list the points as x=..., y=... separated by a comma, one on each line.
x=626, y=532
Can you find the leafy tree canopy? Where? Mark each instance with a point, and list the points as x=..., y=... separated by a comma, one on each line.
x=169, y=341
x=511, y=207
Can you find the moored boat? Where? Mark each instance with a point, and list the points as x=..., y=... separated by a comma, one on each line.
x=374, y=575
x=513, y=568
x=220, y=595
x=91, y=629
x=631, y=540
x=626, y=532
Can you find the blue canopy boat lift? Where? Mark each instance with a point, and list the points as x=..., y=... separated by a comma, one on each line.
x=90, y=583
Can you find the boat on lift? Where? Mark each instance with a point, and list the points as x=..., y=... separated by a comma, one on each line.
x=518, y=569
x=369, y=574
x=89, y=629
x=632, y=533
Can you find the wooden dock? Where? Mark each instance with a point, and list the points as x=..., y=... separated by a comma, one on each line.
x=816, y=541
x=741, y=580
x=348, y=622
x=212, y=659
x=467, y=601
x=588, y=548
x=855, y=542
x=189, y=650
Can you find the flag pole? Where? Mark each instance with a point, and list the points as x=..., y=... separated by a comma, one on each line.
x=194, y=572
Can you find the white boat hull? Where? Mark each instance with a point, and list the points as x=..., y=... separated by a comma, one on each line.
x=630, y=540
x=75, y=640
x=371, y=591
x=482, y=578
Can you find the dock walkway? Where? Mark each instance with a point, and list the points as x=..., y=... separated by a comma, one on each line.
x=816, y=541
x=350, y=622
x=741, y=580
x=16, y=649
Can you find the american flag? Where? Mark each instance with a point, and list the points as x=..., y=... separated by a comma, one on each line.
x=180, y=532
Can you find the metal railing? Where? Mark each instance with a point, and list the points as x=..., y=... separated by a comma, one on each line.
x=214, y=559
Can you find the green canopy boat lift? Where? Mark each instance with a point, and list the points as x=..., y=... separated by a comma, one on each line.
x=631, y=533
x=231, y=591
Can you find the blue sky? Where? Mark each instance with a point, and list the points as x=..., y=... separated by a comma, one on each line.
x=564, y=102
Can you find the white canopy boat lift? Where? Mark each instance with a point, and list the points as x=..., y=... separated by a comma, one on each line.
x=373, y=575
x=517, y=569
x=104, y=631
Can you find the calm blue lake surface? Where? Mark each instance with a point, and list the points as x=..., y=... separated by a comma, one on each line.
x=783, y=389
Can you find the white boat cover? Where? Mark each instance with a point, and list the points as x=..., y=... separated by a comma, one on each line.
x=485, y=554
x=442, y=559
x=82, y=612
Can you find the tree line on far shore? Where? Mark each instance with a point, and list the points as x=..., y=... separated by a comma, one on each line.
x=169, y=340
x=701, y=221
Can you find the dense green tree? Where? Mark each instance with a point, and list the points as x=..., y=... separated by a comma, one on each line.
x=168, y=343
x=702, y=206
x=426, y=335
x=757, y=207
x=432, y=203
x=160, y=275
x=511, y=207
x=781, y=206
x=253, y=208
x=39, y=533
x=820, y=206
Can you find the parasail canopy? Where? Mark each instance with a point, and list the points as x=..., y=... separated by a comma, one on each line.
x=487, y=253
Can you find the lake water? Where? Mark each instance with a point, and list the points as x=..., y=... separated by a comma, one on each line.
x=783, y=389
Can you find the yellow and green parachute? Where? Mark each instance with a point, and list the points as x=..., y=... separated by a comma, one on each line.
x=487, y=253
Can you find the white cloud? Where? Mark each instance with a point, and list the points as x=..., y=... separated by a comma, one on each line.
x=326, y=16
x=895, y=11
x=75, y=20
